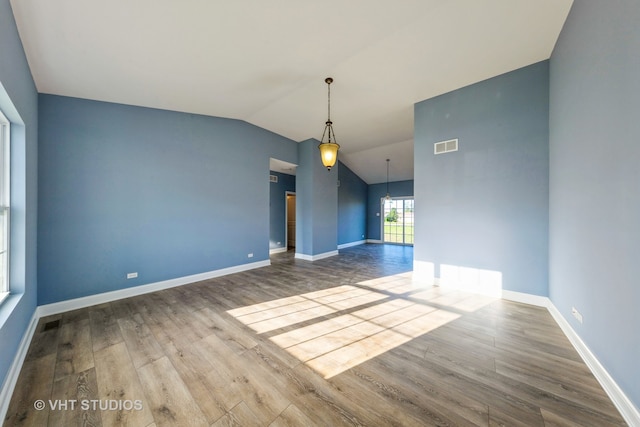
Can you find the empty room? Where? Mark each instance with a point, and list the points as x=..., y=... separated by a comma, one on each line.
x=281, y=213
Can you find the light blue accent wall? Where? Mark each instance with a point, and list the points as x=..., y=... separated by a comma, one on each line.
x=304, y=198
x=352, y=206
x=374, y=206
x=486, y=205
x=316, y=202
x=595, y=182
x=277, y=208
x=19, y=102
x=164, y=194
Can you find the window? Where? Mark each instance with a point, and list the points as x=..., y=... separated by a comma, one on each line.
x=4, y=207
x=397, y=221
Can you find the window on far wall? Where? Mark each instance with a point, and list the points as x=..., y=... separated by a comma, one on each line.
x=4, y=207
x=397, y=224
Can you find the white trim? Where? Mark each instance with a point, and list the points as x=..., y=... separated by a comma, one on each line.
x=74, y=304
x=286, y=217
x=4, y=296
x=60, y=307
x=423, y=273
x=348, y=245
x=382, y=219
x=14, y=370
x=5, y=200
x=374, y=241
x=277, y=250
x=526, y=298
x=628, y=411
x=316, y=257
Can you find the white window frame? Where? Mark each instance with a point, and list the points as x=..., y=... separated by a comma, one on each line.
x=5, y=211
x=383, y=219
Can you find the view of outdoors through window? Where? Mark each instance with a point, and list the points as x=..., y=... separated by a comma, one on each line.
x=4, y=207
x=398, y=221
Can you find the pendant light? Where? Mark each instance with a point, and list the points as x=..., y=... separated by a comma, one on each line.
x=329, y=149
x=388, y=196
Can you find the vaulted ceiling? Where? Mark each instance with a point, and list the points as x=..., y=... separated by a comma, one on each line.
x=265, y=61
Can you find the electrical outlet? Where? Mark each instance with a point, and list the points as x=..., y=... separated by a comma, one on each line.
x=576, y=314
x=250, y=255
x=132, y=275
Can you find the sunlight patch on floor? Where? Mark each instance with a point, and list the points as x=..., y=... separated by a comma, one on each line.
x=362, y=349
x=354, y=323
x=397, y=284
x=454, y=299
x=271, y=315
x=335, y=345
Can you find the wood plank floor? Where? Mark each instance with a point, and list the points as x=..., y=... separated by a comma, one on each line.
x=348, y=340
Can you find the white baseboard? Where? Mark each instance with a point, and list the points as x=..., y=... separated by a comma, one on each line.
x=316, y=257
x=74, y=304
x=277, y=250
x=348, y=245
x=424, y=273
x=374, y=241
x=526, y=298
x=14, y=370
x=627, y=409
x=60, y=307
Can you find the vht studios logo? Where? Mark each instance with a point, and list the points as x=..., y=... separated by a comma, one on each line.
x=88, y=405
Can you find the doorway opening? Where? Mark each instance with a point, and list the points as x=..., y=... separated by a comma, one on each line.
x=397, y=220
x=290, y=218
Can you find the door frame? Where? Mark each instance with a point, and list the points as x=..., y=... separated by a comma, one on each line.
x=286, y=217
x=382, y=220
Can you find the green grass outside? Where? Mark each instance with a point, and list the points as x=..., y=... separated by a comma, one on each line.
x=393, y=232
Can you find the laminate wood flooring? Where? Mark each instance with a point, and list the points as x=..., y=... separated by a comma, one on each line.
x=349, y=340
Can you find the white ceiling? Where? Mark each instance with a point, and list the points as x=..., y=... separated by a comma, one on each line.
x=265, y=61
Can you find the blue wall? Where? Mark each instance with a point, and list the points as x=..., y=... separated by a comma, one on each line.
x=486, y=205
x=277, y=208
x=595, y=181
x=375, y=193
x=19, y=102
x=164, y=194
x=352, y=206
x=316, y=203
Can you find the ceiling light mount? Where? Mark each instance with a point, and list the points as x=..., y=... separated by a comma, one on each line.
x=329, y=149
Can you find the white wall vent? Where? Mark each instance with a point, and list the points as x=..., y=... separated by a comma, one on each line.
x=445, y=146
x=273, y=178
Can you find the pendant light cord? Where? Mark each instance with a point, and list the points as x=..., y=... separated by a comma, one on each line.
x=387, y=177
x=329, y=123
x=328, y=102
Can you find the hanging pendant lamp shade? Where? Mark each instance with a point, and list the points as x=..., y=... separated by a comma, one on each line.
x=329, y=149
